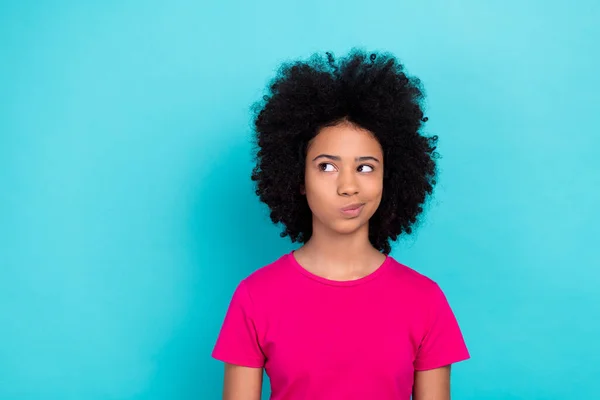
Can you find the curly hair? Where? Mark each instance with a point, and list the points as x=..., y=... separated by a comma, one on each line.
x=371, y=91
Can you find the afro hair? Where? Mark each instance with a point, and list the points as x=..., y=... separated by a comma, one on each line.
x=371, y=91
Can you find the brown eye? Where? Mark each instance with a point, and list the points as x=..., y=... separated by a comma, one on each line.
x=365, y=168
x=326, y=167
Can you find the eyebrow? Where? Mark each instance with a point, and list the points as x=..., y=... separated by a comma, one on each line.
x=338, y=158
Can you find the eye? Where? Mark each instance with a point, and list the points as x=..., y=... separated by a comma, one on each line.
x=326, y=167
x=365, y=168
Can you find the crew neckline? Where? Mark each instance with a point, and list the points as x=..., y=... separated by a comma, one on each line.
x=352, y=282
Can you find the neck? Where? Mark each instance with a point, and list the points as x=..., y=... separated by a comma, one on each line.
x=340, y=256
x=342, y=248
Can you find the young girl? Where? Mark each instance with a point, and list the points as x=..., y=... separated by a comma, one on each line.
x=343, y=168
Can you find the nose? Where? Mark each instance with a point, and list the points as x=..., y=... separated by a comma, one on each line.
x=347, y=184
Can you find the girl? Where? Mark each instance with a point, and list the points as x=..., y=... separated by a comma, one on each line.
x=344, y=169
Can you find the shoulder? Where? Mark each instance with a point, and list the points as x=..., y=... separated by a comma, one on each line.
x=260, y=293
x=429, y=303
x=268, y=278
x=412, y=281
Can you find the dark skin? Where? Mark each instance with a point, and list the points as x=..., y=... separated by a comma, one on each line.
x=344, y=167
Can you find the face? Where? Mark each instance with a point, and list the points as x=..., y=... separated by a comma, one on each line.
x=343, y=178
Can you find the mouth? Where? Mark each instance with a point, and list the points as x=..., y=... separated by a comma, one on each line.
x=353, y=210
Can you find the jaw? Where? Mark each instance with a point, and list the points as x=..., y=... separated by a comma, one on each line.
x=340, y=226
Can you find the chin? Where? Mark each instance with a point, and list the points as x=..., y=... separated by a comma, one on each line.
x=348, y=226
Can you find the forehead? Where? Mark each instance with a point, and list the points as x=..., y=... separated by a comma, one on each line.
x=345, y=140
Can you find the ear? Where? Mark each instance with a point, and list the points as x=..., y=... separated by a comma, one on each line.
x=302, y=190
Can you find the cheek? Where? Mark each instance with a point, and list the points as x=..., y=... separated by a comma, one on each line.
x=373, y=188
x=313, y=188
x=319, y=192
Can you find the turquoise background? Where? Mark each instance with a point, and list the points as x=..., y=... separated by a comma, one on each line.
x=127, y=215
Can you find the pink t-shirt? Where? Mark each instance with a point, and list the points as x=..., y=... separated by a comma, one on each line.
x=324, y=339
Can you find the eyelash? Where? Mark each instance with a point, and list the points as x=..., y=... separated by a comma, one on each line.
x=362, y=165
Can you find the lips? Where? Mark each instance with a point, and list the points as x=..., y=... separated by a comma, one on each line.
x=352, y=210
x=353, y=207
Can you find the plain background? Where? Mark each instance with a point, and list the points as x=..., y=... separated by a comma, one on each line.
x=127, y=216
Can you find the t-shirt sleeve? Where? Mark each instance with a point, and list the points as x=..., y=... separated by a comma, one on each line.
x=237, y=342
x=443, y=343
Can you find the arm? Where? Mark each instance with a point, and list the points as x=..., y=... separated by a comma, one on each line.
x=242, y=383
x=433, y=384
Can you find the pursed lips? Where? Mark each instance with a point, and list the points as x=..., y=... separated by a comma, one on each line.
x=352, y=207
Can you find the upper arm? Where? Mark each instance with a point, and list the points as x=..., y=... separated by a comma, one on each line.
x=239, y=349
x=433, y=384
x=242, y=383
x=441, y=340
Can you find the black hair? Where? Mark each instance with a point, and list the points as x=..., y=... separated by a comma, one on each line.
x=371, y=91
